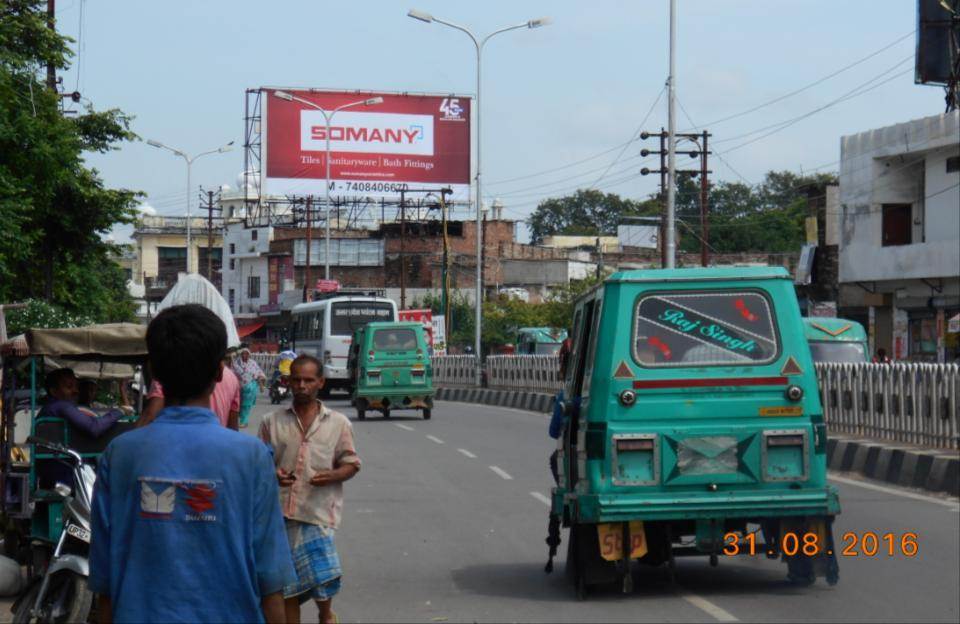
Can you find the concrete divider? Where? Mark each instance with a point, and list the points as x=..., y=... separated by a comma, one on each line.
x=907, y=466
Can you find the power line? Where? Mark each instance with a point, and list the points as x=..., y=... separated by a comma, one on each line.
x=806, y=87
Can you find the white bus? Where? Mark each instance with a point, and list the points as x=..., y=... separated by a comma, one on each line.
x=324, y=329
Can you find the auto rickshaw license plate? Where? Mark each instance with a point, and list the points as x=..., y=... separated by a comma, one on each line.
x=78, y=532
x=610, y=535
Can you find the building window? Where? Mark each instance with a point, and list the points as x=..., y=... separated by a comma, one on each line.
x=253, y=287
x=897, y=224
x=253, y=235
x=231, y=299
x=953, y=164
x=233, y=249
x=233, y=264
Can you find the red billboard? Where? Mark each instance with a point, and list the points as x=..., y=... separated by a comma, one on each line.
x=376, y=150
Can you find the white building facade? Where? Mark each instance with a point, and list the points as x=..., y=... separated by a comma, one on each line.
x=899, y=243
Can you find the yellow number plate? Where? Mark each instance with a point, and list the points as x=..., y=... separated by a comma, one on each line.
x=611, y=540
x=782, y=411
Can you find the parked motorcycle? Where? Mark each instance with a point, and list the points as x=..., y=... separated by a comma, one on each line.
x=61, y=593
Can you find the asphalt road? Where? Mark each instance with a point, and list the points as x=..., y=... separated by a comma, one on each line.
x=447, y=519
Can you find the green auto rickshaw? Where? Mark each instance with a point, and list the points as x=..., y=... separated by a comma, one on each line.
x=836, y=340
x=693, y=426
x=389, y=364
x=539, y=340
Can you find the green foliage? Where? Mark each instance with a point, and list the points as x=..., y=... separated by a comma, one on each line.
x=586, y=212
x=55, y=211
x=42, y=314
x=765, y=218
x=503, y=316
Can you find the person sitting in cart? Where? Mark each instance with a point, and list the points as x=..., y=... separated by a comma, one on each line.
x=63, y=392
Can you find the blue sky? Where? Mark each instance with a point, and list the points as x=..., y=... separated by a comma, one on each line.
x=553, y=96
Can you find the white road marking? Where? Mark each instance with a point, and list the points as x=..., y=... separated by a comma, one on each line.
x=501, y=472
x=543, y=499
x=717, y=613
x=404, y=427
x=467, y=453
x=950, y=504
x=435, y=439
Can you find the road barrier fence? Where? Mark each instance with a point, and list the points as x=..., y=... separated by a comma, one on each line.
x=904, y=402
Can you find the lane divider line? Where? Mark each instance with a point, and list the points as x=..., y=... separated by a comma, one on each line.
x=435, y=439
x=503, y=474
x=950, y=504
x=714, y=611
x=404, y=427
x=467, y=453
x=543, y=499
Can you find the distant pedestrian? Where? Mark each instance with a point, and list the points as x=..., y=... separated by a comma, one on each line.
x=185, y=521
x=252, y=380
x=881, y=357
x=314, y=454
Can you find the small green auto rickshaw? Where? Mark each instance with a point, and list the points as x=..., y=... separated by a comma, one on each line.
x=390, y=368
x=693, y=426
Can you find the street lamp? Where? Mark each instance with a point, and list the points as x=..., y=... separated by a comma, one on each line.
x=478, y=44
x=327, y=117
x=189, y=160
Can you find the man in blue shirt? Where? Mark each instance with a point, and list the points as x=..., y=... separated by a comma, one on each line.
x=63, y=390
x=186, y=520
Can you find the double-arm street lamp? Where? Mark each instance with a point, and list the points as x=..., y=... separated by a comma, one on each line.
x=189, y=160
x=328, y=118
x=478, y=44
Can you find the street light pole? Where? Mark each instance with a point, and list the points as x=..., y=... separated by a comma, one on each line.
x=672, y=143
x=189, y=160
x=327, y=118
x=478, y=44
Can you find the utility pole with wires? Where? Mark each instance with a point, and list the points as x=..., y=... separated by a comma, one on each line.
x=211, y=207
x=700, y=140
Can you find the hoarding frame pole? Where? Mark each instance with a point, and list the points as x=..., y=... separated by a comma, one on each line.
x=403, y=257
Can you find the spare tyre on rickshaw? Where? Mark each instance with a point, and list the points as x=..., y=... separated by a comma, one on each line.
x=48, y=456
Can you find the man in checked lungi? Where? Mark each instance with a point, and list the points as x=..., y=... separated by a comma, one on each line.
x=314, y=454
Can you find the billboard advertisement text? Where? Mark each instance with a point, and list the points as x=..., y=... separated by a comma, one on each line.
x=405, y=142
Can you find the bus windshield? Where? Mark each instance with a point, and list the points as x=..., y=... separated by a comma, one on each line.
x=347, y=316
x=837, y=352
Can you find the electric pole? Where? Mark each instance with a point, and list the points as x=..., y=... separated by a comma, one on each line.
x=307, y=289
x=700, y=140
x=210, y=208
x=403, y=257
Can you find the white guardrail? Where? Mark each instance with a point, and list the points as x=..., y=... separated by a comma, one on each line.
x=913, y=403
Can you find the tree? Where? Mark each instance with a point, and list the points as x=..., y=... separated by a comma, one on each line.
x=55, y=210
x=586, y=212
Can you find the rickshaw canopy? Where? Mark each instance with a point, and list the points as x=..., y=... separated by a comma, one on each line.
x=111, y=342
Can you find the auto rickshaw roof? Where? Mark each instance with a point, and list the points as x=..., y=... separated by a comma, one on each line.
x=829, y=329
x=701, y=274
x=111, y=342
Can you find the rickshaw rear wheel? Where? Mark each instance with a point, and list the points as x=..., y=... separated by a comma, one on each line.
x=427, y=413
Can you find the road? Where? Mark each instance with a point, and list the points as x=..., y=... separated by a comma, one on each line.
x=447, y=519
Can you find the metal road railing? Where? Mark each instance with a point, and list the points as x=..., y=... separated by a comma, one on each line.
x=914, y=403
x=454, y=370
x=266, y=362
x=539, y=373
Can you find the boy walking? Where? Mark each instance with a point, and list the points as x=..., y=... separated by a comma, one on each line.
x=314, y=454
x=185, y=521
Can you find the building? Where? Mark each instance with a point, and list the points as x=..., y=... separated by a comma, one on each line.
x=899, y=235
x=161, y=252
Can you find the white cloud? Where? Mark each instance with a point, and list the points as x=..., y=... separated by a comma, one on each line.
x=147, y=209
